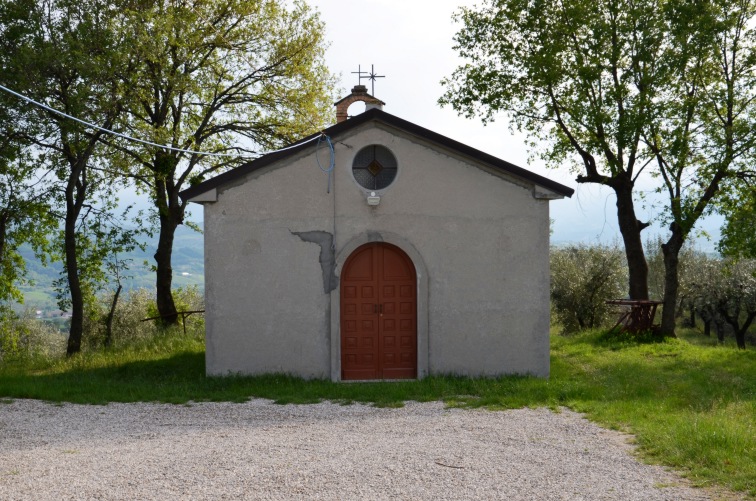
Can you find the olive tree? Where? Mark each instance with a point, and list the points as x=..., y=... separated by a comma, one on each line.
x=690, y=262
x=582, y=279
x=725, y=292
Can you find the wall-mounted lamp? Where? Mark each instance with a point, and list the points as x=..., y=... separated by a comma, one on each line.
x=373, y=199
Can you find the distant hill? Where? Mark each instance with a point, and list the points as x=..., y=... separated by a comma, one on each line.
x=188, y=269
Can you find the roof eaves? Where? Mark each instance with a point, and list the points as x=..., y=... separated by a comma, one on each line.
x=275, y=156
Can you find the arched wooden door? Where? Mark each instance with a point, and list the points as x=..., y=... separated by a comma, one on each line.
x=378, y=314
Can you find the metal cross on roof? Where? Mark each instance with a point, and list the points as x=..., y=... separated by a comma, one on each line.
x=359, y=73
x=367, y=76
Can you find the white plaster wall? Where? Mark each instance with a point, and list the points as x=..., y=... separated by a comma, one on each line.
x=267, y=310
x=483, y=240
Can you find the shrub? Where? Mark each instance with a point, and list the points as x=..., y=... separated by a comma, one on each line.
x=582, y=279
x=24, y=337
x=132, y=309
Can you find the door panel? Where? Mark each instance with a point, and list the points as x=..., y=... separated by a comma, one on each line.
x=378, y=314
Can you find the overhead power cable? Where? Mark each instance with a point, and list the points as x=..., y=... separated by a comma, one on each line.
x=142, y=141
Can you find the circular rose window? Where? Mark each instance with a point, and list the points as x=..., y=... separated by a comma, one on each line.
x=374, y=167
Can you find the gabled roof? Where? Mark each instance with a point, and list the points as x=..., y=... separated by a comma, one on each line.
x=386, y=118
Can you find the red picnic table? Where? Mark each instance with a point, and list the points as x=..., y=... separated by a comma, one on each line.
x=639, y=316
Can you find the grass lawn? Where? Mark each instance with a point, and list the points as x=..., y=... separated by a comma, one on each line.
x=690, y=403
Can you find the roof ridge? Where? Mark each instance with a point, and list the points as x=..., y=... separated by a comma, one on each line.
x=391, y=120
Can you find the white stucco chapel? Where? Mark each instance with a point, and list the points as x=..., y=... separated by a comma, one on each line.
x=414, y=255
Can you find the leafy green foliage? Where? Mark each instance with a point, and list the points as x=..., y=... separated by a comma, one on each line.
x=67, y=55
x=25, y=210
x=582, y=279
x=615, y=86
x=188, y=264
x=129, y=325
x=22, y=337
x=738, y=235
x=187, y=299
x=702, y=133
x=230, y=77
x=569, y=74
x=25, y=218
x=579, y=78
x=689, y=266
x=224, y=77
x=100, y=239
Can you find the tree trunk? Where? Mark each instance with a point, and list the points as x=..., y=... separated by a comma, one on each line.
x=111, y=314
x=740, y=338
x=720, y=326
x=164, y=280
x=692, y=319
x=631, y=230
x=707, y=327
x=671, y=252
x=75, y=195
x=166, y=305
x=740, y=330
x=680, y=307
x=73, y=208
x=170, y=212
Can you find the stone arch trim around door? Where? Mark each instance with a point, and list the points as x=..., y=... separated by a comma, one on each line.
x=421, y=297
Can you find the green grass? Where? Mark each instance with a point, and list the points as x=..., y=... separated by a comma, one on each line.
x=690, y=403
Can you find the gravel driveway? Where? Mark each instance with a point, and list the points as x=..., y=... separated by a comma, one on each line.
x=259, y=450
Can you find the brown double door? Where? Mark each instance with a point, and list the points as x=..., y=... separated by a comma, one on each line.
x=378, y=314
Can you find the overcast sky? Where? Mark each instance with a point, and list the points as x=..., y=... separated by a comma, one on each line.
x=410, y=42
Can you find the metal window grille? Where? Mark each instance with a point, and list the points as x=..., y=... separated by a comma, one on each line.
x=374, y=167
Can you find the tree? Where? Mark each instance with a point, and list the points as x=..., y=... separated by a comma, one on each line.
x=705, y=295
x=582, y=279
x=622, y=83
x=223, y=77
x=116, y=268
x=738, y=235
x=579, y=76
x=702, y=132
x=739, y=310
x=726, y=293
x=691, y=263
x=100, y=236
x=24, y=214
x=62, y=54
x=24, y=192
